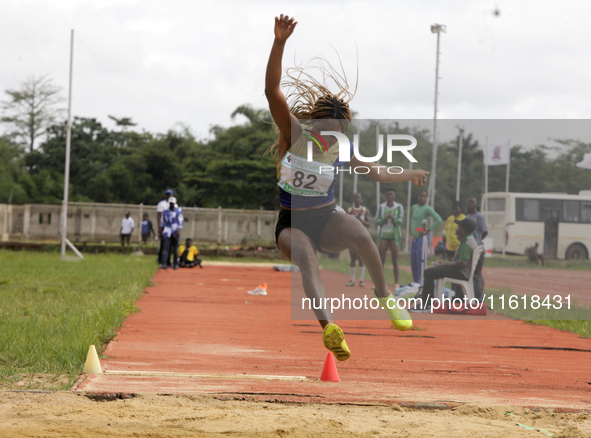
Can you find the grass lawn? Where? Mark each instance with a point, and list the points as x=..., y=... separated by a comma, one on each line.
x=576, y=320
x=52, y=310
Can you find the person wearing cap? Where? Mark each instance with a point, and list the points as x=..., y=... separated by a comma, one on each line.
x=162, y=205
x=458, y=268
x=170, y=228
x=127, y=226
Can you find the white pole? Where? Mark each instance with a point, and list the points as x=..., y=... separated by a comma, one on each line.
x=341, y=180
x=436, y=28
x=68, y=141
x=506, y=199
x=354, y=174
x=407, y=214
x=377, y=162
x=139, y=240
x=459, y=164
x=485, y=206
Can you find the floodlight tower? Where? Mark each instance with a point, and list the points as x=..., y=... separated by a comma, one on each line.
x=438, y=29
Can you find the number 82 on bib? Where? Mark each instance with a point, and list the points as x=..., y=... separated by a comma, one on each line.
x=304, y=178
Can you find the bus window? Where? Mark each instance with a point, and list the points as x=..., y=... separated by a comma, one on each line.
x=531, y=210
x=586, y=212
x=496, y=204
x=570, y=211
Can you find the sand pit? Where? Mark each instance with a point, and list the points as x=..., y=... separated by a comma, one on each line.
x=66, y=414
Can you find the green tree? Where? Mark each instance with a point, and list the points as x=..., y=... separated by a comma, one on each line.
x=12, y=171
x=31, y=109
x=231, y=170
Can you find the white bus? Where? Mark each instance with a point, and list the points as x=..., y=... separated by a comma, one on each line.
x=559, y=223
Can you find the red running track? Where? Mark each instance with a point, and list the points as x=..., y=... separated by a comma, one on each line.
x=199, y=332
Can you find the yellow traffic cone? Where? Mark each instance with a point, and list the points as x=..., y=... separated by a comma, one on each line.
x=92, y=365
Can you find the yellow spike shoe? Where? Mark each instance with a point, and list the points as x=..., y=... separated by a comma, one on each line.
x=334, y=340
x=400, y=318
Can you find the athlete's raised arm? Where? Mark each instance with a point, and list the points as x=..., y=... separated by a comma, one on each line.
x=284, y=26
x=380, y=173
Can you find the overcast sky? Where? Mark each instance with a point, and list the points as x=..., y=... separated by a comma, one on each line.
x=194, y=62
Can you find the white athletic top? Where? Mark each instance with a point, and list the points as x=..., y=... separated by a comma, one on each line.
x=127, y=225
x=355, y=211
x=162, y=205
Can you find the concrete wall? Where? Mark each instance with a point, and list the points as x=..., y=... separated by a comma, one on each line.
x=102, y=222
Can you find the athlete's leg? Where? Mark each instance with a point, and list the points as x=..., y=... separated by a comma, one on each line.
x=354, y=258
x=299, y=250
x=344, y=231
x=394, y=253
x=383, y=249
x=361, y=272
x=416, y=250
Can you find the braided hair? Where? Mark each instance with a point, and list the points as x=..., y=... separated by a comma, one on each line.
x=309, y=98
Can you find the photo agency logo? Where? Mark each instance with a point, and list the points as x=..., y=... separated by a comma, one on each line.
x=409, y=143
x=305, y=172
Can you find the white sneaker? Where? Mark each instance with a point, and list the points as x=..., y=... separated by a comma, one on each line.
x=259, y=290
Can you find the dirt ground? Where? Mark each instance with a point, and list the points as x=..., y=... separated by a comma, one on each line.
x=67, y=414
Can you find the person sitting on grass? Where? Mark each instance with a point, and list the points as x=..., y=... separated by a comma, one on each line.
x=532, y=254
x=458, y=268
x=188, y=255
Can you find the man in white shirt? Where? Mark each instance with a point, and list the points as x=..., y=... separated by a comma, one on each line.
x=162, y=205
x=127, y=226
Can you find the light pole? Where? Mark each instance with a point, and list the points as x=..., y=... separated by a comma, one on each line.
x=435, y=28
x=460, y=141
x=64, y=217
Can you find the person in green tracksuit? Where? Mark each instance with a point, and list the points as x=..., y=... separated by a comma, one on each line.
x=390, y=217
x=418, y=213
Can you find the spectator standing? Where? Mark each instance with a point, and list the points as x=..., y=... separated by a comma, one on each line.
x=188, y=255
x=162, y=205
x=451, y=226
x=481, y=230
x=171, y=225
x=361, y=213
x=418, y=213
x=147, y=228
x=480, y=233
x=127, y=226
x=390, y=217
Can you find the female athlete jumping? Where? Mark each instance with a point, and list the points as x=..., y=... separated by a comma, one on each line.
x=309, y=220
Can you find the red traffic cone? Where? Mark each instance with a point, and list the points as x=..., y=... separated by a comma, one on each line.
x=329, y=372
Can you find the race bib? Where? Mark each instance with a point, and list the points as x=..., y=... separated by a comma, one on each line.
x=305, y=178
x=388, y=227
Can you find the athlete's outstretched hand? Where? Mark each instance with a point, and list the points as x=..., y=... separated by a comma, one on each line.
x=284, y=27
x=420, y=177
